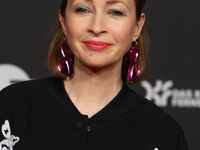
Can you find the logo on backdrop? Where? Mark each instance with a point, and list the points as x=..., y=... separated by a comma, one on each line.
x=163, y=94
x=11, y=74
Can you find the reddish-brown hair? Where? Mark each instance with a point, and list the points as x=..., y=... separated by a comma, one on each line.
x=54, y=50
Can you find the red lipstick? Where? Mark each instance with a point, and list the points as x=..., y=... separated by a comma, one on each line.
x=97, y=45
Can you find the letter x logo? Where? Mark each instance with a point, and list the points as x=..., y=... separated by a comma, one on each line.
x=160, y=93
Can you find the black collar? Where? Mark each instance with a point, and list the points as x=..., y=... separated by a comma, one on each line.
x=124, y=101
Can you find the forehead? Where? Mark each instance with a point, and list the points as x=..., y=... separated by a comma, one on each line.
x=106, y=1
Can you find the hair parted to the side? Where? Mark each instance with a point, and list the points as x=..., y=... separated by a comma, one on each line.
x=54, y=54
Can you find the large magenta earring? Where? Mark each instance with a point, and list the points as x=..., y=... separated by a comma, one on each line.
x=65, y=64
x=133, y=70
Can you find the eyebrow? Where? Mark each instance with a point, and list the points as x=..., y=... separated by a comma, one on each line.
x=110, y=2
x=85, y=0
x=116, y=1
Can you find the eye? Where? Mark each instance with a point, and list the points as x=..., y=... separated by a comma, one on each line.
x=116, y=13
x=81, y=10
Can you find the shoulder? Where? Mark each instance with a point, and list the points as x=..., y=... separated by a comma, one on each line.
x=153, y=125
x=153, y=116
x=18, y=100
x=24, y=89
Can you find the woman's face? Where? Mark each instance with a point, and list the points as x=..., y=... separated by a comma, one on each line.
x=100, y=32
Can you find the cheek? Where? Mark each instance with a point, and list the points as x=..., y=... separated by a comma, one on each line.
x=123, y=35
x=74, y=28
x=123, y=32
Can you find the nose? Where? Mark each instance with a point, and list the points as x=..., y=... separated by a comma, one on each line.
x=97, y=25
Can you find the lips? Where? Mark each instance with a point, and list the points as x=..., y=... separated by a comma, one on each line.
x=97, y=45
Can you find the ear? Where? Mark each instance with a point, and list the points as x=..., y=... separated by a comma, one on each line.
x=139, y=26
x=62, y=22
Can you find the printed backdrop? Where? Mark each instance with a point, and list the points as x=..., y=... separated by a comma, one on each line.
x=172, y=80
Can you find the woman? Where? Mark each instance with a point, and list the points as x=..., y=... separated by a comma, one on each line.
x=88, y=106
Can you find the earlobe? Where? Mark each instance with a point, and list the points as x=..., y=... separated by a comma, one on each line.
x=139, y=27
x=62, y=22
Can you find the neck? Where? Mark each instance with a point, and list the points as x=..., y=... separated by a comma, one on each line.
x=90, y=90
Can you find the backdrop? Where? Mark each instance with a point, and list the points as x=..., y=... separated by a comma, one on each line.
x=172, y=80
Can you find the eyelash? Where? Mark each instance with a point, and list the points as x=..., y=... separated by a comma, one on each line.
x=81, y=10
x=117, y=13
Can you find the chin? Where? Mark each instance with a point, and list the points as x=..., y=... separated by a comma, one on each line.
x=97, y=66
x=96, y=63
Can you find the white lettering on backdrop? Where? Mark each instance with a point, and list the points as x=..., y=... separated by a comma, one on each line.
x=163, y=91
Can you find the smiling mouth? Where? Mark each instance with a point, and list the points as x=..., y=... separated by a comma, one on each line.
x=97, y=45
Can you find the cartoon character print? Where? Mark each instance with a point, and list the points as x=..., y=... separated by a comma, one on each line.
x=11, y=140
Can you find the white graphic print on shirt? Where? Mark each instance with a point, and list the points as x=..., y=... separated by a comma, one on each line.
x=11, y=140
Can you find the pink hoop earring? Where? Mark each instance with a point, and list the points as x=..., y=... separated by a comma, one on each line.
x=133, y=70
x=65, y=64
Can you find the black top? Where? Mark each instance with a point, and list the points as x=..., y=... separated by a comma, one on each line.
x=41, y=116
